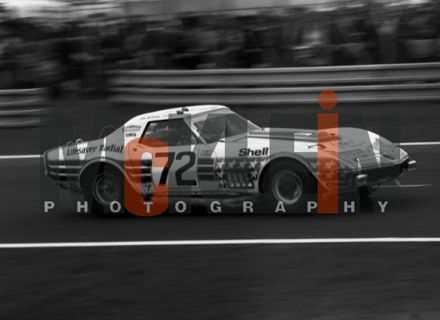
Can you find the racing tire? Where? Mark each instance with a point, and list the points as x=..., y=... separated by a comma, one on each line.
x=291, y=183
x=104, y=191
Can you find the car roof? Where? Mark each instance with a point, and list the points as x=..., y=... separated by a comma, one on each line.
x=180, y=112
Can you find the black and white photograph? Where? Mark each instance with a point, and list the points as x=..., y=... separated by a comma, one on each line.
x=220, y=159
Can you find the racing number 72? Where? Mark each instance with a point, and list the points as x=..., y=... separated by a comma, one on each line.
x=179, y=172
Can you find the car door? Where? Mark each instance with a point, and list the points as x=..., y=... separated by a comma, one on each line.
x=171, y=146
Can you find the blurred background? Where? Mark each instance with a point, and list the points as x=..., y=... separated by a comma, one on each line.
x=69, y=46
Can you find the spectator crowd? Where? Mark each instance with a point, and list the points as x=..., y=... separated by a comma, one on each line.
x=79, y=53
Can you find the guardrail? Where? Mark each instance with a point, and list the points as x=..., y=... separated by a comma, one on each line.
x=368, y=83
x=21, y=107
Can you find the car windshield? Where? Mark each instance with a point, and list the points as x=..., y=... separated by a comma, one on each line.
x=218, y=125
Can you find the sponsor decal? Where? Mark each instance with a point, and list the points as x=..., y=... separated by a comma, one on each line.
x=246, y=152
x=76, y=150
x=92, y=149
x=132, y=128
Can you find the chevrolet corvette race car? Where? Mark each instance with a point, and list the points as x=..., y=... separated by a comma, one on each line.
x=211, y=151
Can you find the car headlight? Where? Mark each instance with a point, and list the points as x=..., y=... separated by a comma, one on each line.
x=403, y=154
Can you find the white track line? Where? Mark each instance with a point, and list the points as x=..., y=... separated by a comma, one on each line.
x=24, y=156
x=406, y=185
x=428, y=143
x=215, y=242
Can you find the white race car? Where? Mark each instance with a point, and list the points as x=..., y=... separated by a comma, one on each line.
x=210, y=151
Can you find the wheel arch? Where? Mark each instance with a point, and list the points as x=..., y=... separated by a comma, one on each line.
x=273, y=161
x=94, y=164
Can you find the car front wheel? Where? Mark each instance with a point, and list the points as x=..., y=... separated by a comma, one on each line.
x=104, y=192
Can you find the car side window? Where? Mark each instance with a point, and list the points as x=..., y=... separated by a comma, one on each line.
x=172, y=132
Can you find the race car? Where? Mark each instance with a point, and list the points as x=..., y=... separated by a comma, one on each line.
x=211, y=151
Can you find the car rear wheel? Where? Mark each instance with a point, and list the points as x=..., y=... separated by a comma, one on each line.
x=290, y=183
x=287, y=186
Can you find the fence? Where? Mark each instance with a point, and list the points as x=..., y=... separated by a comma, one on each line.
x=354, y=84
x=21, y=107
x=368, y=83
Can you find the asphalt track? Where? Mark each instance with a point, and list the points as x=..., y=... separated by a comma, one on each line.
x=322, y=281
